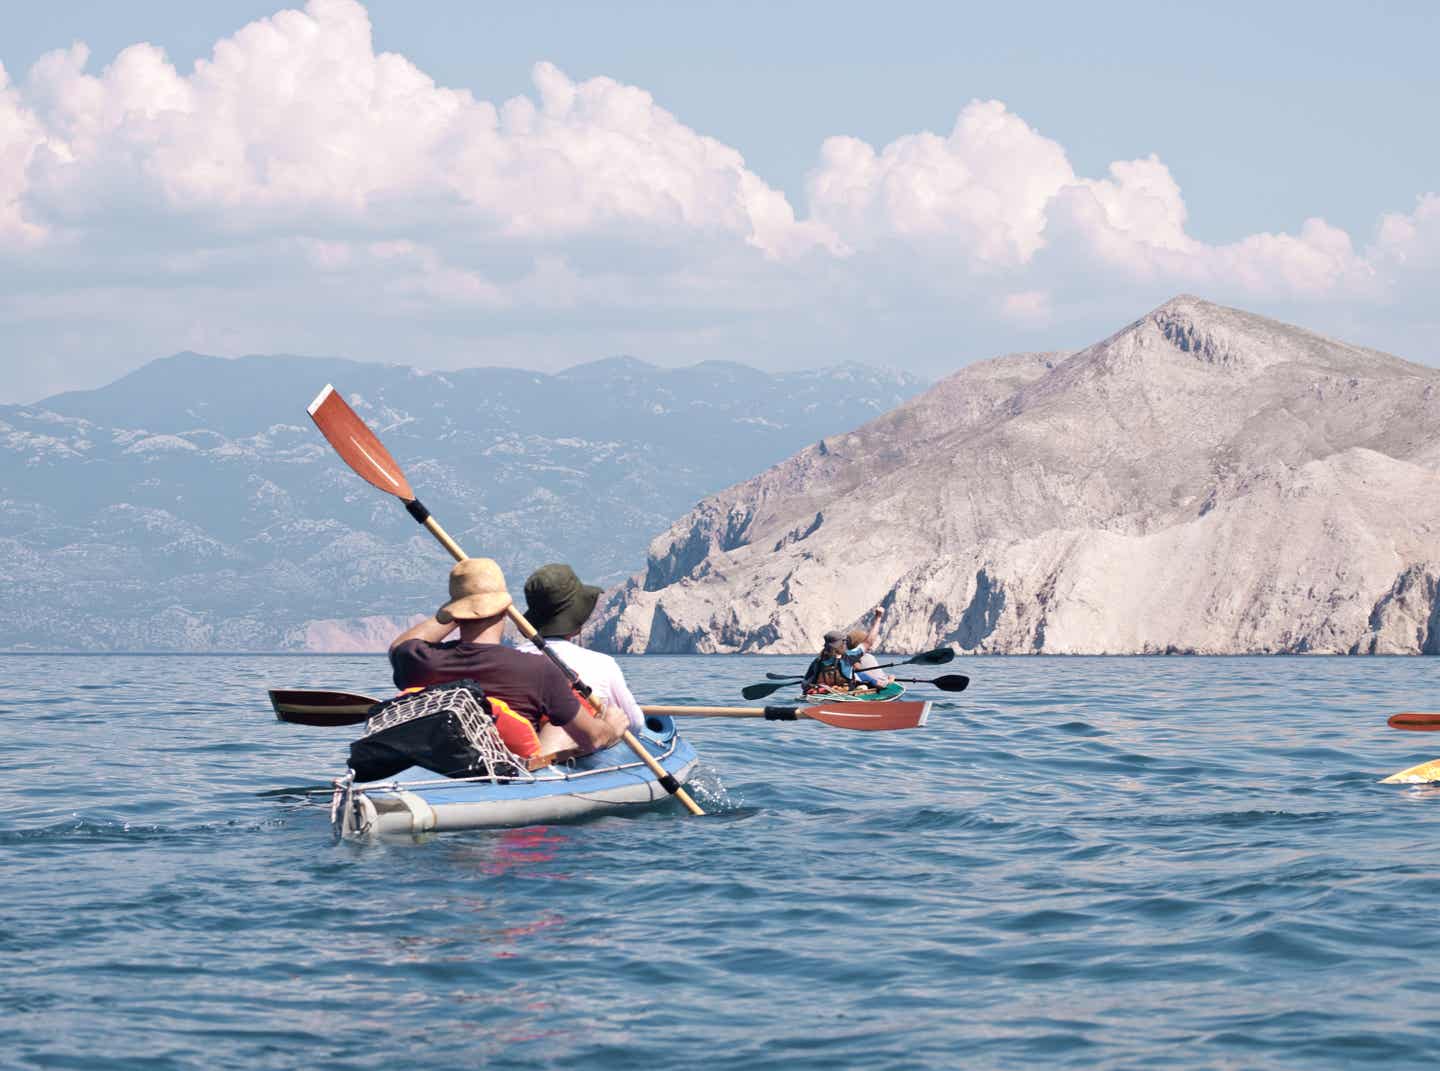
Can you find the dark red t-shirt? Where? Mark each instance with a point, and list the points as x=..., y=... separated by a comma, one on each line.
x=532, y=686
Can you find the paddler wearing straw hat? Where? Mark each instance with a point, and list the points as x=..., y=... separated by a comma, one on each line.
x=557, y=605
x=533, y=689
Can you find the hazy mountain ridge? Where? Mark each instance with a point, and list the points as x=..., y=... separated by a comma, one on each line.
x=1203, y=480
x=192, y=505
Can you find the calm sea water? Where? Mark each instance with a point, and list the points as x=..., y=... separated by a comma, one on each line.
x=1111, y=863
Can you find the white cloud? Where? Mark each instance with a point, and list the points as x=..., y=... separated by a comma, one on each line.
x=996, y=195
x=1411, y=241
x=1026, y=308
x=367, y=210
x=20, y=134
x=296, y=116
x=982, y=191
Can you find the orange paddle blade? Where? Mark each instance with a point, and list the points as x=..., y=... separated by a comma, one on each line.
x=1419, y=722
x=872, y=716
x=356, y=444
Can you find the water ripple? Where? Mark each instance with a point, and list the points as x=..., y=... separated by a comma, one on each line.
x=1085, y=863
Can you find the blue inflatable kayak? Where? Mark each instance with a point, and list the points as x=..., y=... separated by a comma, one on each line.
x=419, y=801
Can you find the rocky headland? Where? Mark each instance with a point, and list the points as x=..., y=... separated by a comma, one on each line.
x=1203, y=481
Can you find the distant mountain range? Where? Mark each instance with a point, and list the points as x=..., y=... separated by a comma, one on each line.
x=191, y=505
x=1205, y=480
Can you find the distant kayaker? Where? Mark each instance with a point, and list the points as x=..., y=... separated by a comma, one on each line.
x=557, y=605
x=535, y=690
x=831, y=671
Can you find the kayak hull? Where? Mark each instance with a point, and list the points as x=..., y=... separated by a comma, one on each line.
x=419, y=801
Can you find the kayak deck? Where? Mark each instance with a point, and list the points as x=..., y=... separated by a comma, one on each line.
x=890, y=692
x=421, y=801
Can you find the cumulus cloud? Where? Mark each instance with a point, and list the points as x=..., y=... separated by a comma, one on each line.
x=365, y=207
x=20, y=135
x=1411, y=241
x=297, y=121
x=982, y=191
x=997, y=196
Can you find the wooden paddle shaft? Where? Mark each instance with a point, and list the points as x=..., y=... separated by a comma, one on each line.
x=710, y=712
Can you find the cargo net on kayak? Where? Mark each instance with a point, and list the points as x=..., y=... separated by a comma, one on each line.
x=447, y=728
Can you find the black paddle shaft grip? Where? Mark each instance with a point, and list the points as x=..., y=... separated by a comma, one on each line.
x=780, y=714
x=417, y=510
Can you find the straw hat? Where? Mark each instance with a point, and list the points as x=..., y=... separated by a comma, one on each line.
x=477, y=589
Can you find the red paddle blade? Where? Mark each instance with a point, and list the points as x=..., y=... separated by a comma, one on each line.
x=1418, y=722
x=872, y=716
x=356, y=444
x=307, y=707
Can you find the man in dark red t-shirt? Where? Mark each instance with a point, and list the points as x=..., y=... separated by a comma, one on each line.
x=532, y=687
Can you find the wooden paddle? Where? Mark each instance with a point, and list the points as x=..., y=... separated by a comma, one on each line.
x=847, y=715
x=304, y=706
x=362, y=451
x=1421, y=723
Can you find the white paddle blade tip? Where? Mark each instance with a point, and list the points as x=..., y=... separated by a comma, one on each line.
x=320, y=399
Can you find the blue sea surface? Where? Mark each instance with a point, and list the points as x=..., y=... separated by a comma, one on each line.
x=1079, y=862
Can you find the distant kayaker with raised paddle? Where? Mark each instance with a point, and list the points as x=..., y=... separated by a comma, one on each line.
x=557, y=605
x=534, y=689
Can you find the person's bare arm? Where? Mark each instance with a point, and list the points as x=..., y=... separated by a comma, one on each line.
x=873, y=636
x=429, y=630
x=591, y=733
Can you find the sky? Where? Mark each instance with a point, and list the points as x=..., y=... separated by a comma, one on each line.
x=789, y=185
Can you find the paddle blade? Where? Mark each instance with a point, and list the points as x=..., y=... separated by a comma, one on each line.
x=1423, y=774
x=937, y=657
x=356, y=444
x=304, y=706
x=1418, y=722
x=874, y=717
x=952, y=682
x=760, y=691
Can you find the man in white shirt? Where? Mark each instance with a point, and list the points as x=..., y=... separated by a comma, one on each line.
x=557, y=605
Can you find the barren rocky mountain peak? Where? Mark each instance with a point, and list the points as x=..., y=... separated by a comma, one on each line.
x=1205, y=479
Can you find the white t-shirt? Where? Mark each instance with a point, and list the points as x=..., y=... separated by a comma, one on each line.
x=601, y=672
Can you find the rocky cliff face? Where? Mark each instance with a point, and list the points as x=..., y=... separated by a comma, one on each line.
x=1205, y=480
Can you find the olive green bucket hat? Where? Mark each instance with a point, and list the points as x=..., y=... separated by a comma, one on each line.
x=556, y=602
